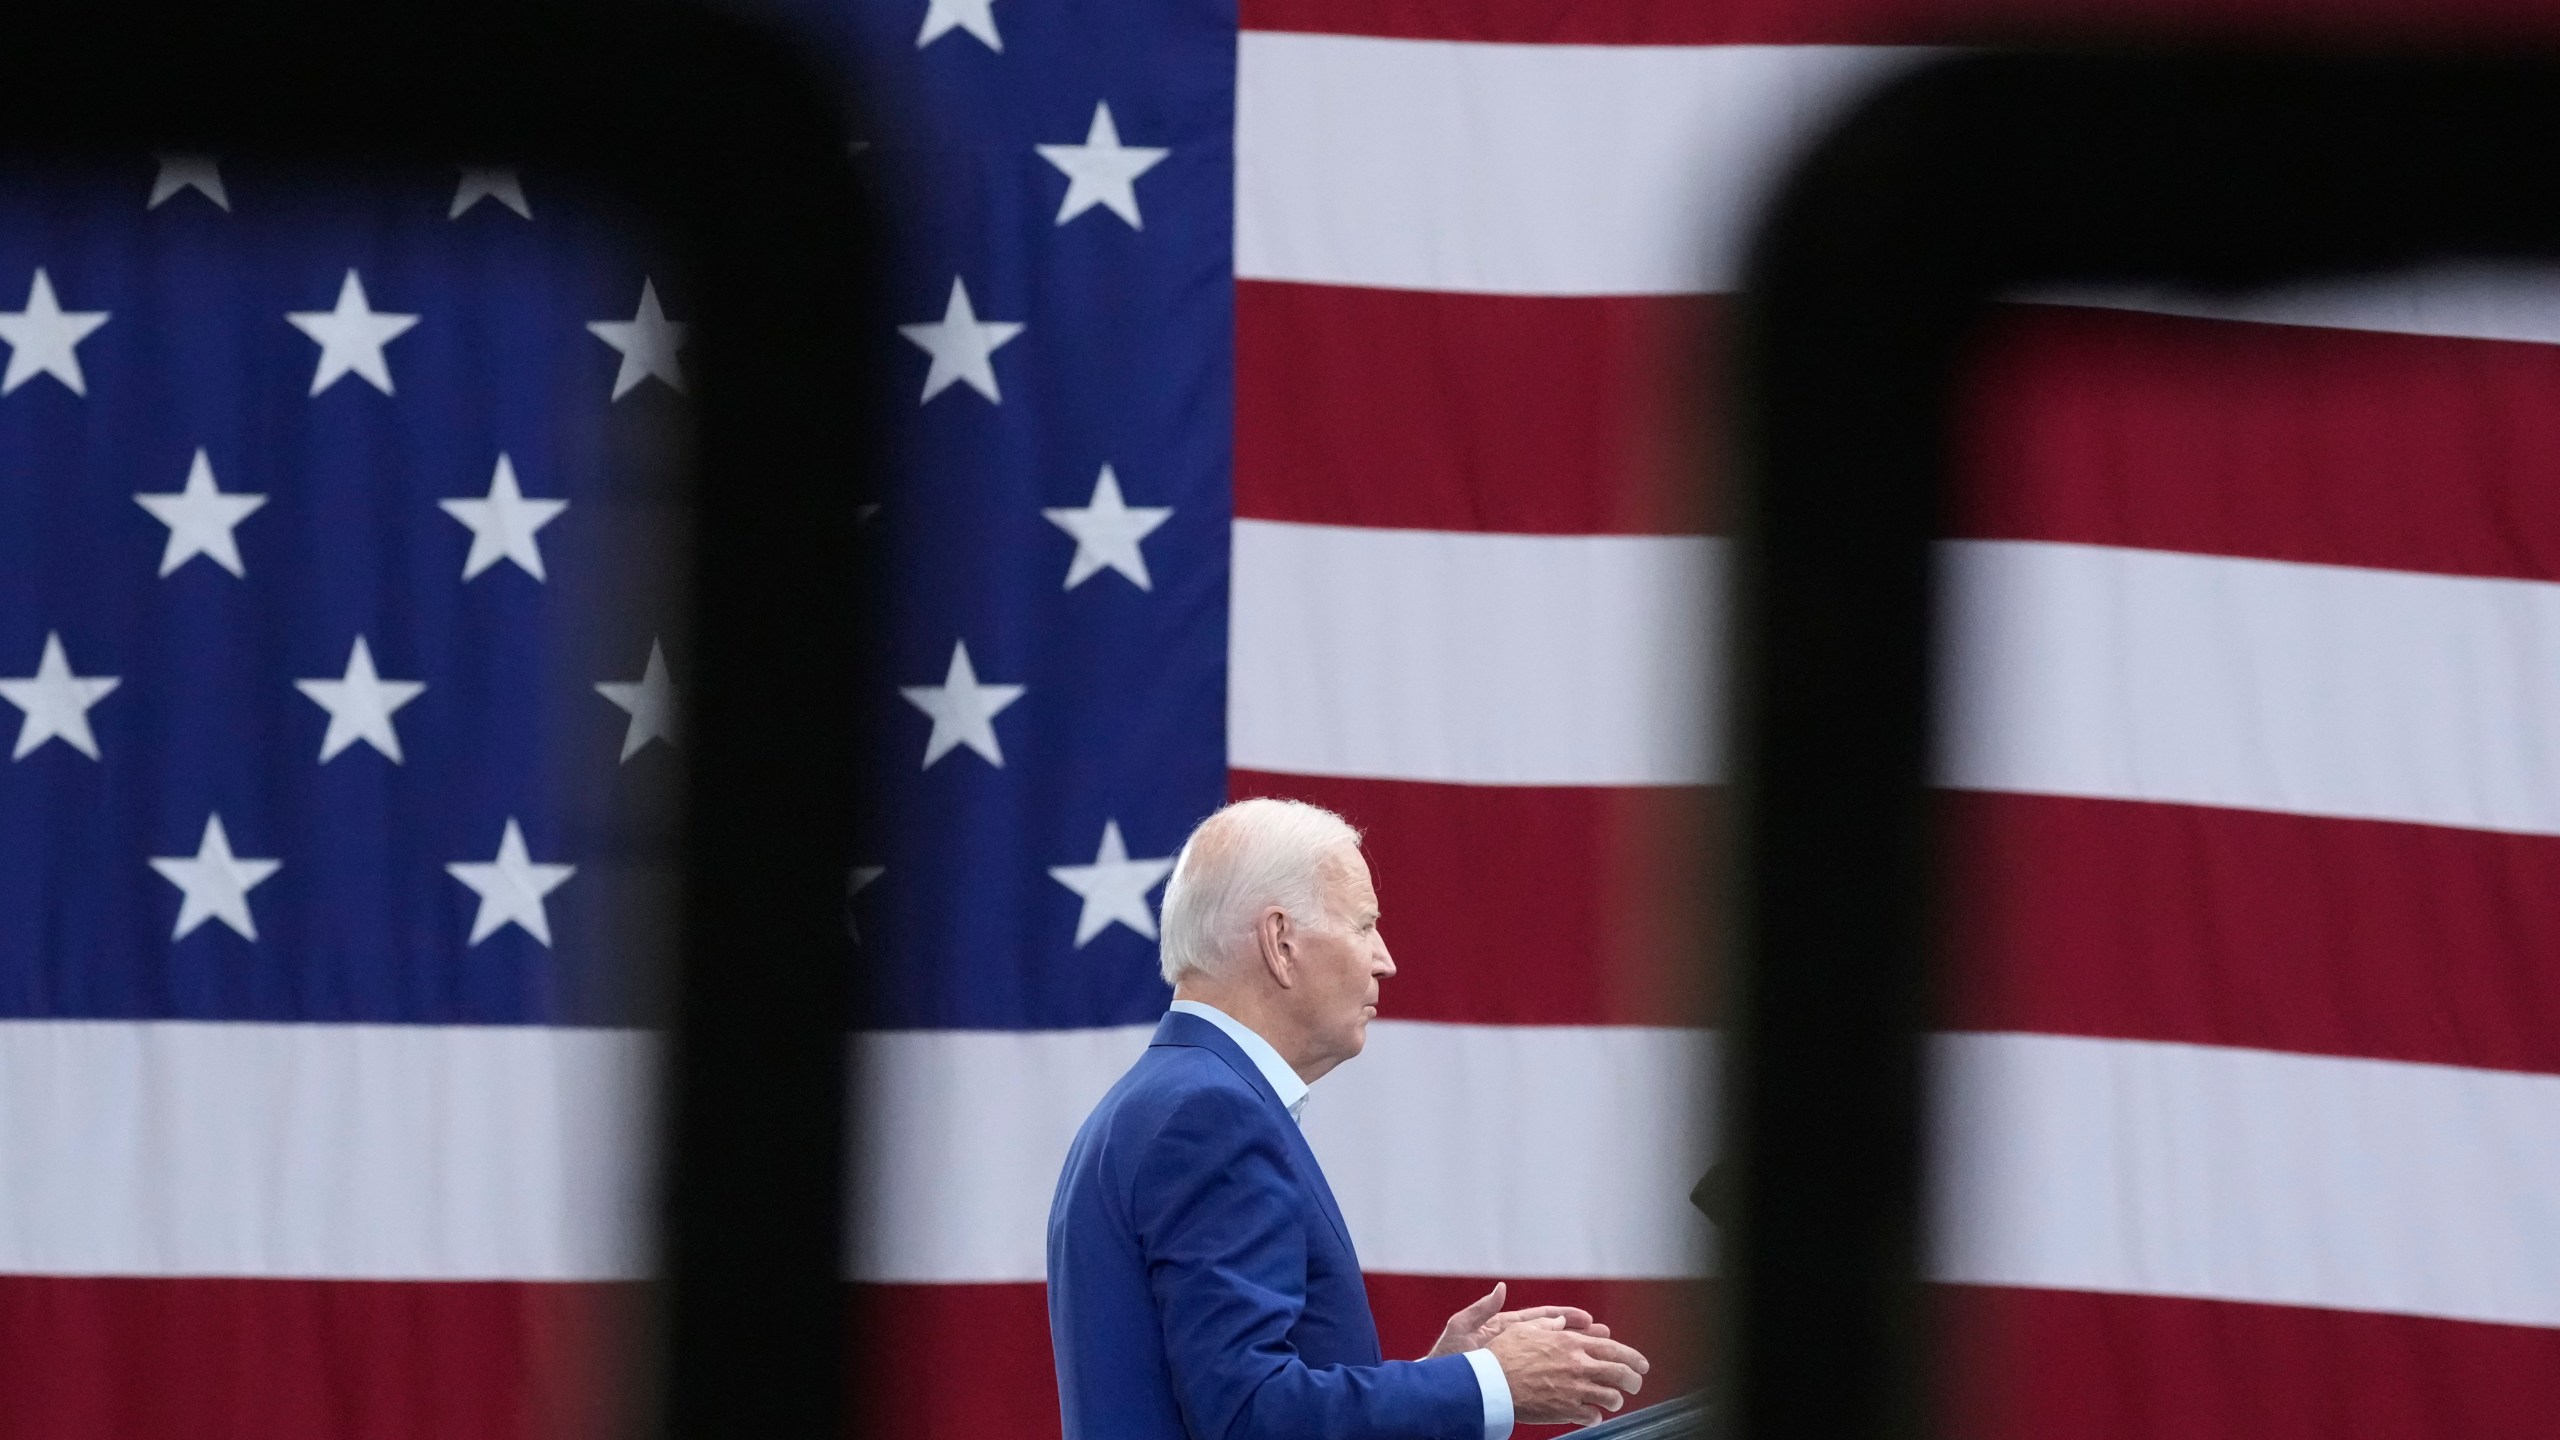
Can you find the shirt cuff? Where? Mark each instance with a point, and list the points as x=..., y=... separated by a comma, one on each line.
x=1497, y=1393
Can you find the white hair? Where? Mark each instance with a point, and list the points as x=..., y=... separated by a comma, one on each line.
x=1249, y=855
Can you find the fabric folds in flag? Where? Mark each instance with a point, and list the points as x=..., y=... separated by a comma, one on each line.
x=1302, y=402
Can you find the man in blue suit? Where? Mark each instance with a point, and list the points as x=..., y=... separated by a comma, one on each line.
x=1202, y=1284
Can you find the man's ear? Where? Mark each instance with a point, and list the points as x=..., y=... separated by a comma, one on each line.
x=1273, y=937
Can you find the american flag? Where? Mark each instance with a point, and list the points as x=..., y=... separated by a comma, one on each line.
x=2241, y=1132
x=1303, y=406
x=334, y=825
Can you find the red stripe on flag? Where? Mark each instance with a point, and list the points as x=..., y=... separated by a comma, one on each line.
x=954, y=1362
x=1530, y=905
x=2404, y=452
x=1592, y=415
x=97, y=1358
x=2234, y=927
x=2069, y=1365
x=1411, y=410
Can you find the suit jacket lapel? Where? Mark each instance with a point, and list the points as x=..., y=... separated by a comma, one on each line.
x=1324, y=1192
x=1179, y=1029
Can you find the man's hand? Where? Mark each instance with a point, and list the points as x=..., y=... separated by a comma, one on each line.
x=1474, y=1327
x=1564, y=1376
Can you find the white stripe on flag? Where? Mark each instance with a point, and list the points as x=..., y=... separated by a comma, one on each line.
x=2078, y=670
x=2248, y=1175
x=1636, y=170
x=433, y=1153
x=1519, y=169
x=361, y=1152
x=1560, y=1153
x=1519, y=1150
x=962, y=1135
x=464, y=1153
x=1470, y=658
x=2309, y=689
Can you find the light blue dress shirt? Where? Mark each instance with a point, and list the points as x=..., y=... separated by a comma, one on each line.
x=1293, y=1097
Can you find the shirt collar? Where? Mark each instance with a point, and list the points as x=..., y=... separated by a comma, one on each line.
x=1284, y=1081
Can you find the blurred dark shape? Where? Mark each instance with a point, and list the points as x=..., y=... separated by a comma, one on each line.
x=1670, y=1420
x=1974, y=179
x=1713, y=1194
x=718, y=138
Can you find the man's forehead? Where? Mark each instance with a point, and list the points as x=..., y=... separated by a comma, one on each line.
x=1348, y=871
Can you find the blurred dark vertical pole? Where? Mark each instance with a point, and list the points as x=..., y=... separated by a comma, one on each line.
x=754, y=1267
x=1822, y=1100
x=732, y=156
x=1959, y=185
x=1822, y=1097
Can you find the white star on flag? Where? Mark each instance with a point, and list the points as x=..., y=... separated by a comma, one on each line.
x=648, y=342
x=962, y=346
x=511, y=888
x=1107, y=533
x=650, y=701
x=1102, y=171
x=1114, y=887
x=200, y=519
x=56, y=701
x=44, y=338
x=857, y=880
x=489, y=182
x=963, y=710
x=216, y=883
x=360, y=705
x=351, y=337
x=503, y=523
x=187, y=172
x=978, y=17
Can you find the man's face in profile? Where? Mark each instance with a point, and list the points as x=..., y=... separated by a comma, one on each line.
x=1344, y=958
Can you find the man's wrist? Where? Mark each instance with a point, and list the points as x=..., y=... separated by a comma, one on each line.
x=1496, y=1389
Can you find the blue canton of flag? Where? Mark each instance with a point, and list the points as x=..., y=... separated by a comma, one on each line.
x=337, y=656
x=1058, y=521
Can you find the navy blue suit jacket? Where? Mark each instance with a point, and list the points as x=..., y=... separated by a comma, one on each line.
x=1202, y=1285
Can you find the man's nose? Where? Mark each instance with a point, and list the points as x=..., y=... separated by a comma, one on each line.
x=1386, y=963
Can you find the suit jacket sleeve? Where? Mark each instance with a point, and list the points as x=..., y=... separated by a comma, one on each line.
x=1224, y=1232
